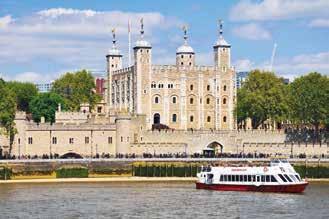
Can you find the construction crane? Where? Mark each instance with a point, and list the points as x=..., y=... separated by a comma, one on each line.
x=273, y=56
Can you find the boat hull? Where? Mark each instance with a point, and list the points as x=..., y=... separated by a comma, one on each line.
x=294, y=188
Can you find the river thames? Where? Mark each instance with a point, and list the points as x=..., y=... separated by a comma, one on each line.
x=155, y=200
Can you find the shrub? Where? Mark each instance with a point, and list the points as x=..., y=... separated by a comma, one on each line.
x=5, y=173
x=72, y=172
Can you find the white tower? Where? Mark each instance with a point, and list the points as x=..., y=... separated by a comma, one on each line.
x=142, y=71
x=225, y=83
x=114, y=62
x=185, y=56
x=222, y=51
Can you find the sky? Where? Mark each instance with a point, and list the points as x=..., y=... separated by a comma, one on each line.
x=42, y=39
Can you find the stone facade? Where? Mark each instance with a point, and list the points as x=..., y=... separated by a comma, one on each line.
x=182, y=96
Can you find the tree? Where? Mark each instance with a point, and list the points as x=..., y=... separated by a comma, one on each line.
x=7, y=112
x=309, y=99
x=262, y=97
x=77, y=88
x=45, y=105
x=24, y=93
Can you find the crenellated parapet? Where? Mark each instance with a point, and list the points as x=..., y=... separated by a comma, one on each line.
x=124, y=71
x=71, y=117
x=187, y=68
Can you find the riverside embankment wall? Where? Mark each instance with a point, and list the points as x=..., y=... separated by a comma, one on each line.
x=315, y=168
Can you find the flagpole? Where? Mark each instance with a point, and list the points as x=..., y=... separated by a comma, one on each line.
x=129, y=44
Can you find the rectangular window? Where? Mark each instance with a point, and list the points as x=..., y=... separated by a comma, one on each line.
x=273, y=179
x=229, y=178
x=121, y=139
x=282, y=178
x=225, y=178
x=221, y=178
x=71, y=140
x=109, y=140
x=287, y=177
x=241, y=178
x=54, y=140
x=245, y=178
x=30, y=140
x=267, y=178
x=263, y=178
x=86, y=140
x=249, y=178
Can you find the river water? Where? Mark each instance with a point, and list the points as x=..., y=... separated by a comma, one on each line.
x=155, y=200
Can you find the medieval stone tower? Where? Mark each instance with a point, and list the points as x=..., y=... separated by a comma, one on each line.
x=181, y=96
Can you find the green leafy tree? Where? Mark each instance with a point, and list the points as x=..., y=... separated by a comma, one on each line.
x=309, y=99
x=7, y=112
x=45, y=105
x=77, y=88
x=262, y=97
x=24, y=93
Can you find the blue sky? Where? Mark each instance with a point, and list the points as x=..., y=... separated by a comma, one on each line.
x=39, y=39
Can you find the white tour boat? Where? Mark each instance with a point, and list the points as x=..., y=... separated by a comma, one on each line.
x=279, y=176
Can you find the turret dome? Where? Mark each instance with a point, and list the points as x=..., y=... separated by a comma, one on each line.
x=185, y=48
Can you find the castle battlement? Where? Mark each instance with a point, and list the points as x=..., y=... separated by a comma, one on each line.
x=124, y=70
x=189, y=68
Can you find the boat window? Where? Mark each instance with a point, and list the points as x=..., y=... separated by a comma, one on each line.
x=263, y=178
x=225, y=178
x=245, y=178
x=253, y=178
x=297, y=176
x=267, y=178
x=233, y=178
x=249, y=178
x=282, y=178
x=229, y=178
x=288, y=178
x=273, y=179
x=293, y=178
x=241, y=178
x=221, y=178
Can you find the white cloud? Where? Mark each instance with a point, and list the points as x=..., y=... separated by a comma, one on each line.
x=252, y=31
x=243, y=65
x=5, y=21
x=247, y=10
x=290, y=67
x=29, y=77
x=71, y=38
x=320, y=22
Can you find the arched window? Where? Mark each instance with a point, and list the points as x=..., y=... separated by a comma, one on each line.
x=156, y=100
x=174, y=117
x=208, y=87
x=208, y=119
x=224, y=87
x=182, y=63
x=190, y=56
x=224, y=101
x=208, y=100
x=191, y=118
x=153, y=85
x=191, y=87
x=190, y=63
x=191, y=100
x=174, y=99
x=224, y=119
x=182, y=56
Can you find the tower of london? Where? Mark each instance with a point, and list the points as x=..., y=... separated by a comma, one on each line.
x=183, y=95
